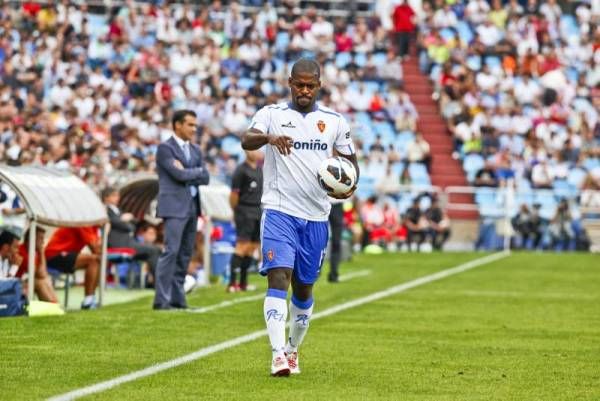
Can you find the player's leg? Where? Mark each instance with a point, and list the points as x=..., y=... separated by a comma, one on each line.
x=91, y=264
x=235, y=264
x=279, y=240
x=251, y=246
x=309, y=260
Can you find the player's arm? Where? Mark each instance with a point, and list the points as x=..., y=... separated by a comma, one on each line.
x=258, y=134
x=352, y=158
x=254, y=139
x=173, y=167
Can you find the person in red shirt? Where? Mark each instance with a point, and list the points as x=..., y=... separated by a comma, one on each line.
x=404, y=19
x=42, y=286
x=63, y=253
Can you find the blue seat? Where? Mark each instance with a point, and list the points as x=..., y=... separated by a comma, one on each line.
x=562, y=189
x=366, y=187
x=576, y=177
x=360, y=59
x=379, y=59
x=474, y=62
x=464, y=32
x=231, y=145
x=418, y=174
x=472, y=163
x=447, y=34
x=224, y=82
x=282, y=41
x=342, y=59
x=591, y=163
x=246, y=83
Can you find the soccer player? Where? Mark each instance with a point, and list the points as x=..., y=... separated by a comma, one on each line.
x=294, y=226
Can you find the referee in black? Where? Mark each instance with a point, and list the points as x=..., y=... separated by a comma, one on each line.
x=246, y=192
x=336, y=222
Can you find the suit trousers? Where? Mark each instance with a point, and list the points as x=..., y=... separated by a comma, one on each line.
x=180, y=237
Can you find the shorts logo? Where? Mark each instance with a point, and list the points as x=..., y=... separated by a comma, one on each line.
x=270, y=255
x=321, y=126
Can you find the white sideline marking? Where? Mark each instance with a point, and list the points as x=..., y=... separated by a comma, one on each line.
x=225, y=304
x=201, y=353
x=350, y=276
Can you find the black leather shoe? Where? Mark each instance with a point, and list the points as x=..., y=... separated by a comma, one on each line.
x=161, y=307
x=177, y=306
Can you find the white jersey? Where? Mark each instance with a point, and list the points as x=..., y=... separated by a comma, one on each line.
x=290, y=182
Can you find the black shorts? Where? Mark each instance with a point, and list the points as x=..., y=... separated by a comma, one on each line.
x=247, y=226
x=64, y=262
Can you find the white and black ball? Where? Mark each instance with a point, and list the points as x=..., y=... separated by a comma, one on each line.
x=336, y=175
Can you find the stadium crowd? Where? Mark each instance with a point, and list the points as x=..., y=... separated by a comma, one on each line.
x=92, y=90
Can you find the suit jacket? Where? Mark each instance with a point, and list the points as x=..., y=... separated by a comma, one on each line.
x=174, y=196
x=121, y=233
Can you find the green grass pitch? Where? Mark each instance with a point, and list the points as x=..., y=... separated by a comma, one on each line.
x=526, y=327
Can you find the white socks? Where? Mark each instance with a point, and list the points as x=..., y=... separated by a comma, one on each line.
x=275, y=312
x=300, y=313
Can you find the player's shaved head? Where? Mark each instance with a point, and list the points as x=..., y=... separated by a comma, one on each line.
x=306, y=66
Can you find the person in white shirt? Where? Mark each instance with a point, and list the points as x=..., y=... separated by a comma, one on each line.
x=294, y=230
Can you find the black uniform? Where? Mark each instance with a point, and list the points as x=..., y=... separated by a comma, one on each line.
x=247, y=182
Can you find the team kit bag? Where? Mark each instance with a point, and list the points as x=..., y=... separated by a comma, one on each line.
x=12, y=300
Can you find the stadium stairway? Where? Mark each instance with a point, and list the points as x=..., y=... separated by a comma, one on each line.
x=445, y=171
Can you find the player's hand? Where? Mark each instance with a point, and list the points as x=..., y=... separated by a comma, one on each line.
x=282, y=143
x=344, y=196
x=178, y=164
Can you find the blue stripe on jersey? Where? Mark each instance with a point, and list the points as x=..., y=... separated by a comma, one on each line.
x=330, y=112
x=272, y=292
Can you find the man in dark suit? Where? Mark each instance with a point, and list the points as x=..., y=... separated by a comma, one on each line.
x=180, y=170
x=122, y=231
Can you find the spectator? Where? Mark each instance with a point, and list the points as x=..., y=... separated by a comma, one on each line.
x=560, y=227
x=122, y=231
x=63, y=253
x=439, y=224
x=404, y=26
x=529, y=226
x=10, y=260
x=416, y=225
x=419, y=152
x=486, y=176
x=542, y=175
x=42, y=285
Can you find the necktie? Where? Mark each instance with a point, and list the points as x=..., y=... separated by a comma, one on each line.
x=186, y=153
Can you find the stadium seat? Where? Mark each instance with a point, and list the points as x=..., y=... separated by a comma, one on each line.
x=379, y=59
x=232, y=145
x=563, y=189
x=366, y=187
x=591, y=163
x=342, y=59
x=360, y=59
x=418, y=174
x=282, y=41
x=447, y=34
x=474, y=62
x=576, y=177
x=464, y=32
x=246, y=83
x=472, y=163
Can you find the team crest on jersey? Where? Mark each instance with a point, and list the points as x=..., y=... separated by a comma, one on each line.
x=321, y=126
x=270, y=255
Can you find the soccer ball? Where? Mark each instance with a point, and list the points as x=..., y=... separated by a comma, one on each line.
x=336, y=175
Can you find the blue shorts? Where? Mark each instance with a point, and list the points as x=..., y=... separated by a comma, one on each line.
x=295, y=243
